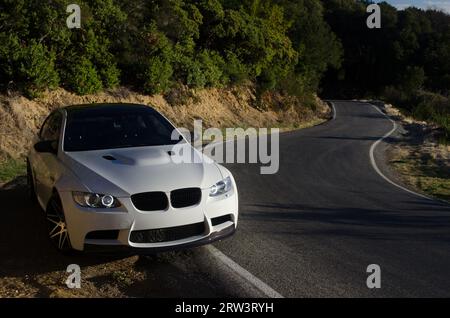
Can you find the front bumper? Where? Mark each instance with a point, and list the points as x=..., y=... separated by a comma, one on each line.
x=126, y=219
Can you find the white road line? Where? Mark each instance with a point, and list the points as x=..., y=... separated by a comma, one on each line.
x=334, y=110
x=242, y=272
x=375, y=166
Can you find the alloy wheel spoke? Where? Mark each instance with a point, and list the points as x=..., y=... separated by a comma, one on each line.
x=64, y=239
x=60, y=240
x=54, y=235
x=53, y=230
x=57, y=226
x=54, y=221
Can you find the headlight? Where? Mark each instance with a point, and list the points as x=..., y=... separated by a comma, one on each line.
x=221, y=187
x=94, y=200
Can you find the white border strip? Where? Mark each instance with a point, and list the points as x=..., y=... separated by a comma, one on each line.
x=242, y=272
x=377, y=169
x=334, y=110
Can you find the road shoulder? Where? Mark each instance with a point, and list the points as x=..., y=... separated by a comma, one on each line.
x=413, y=157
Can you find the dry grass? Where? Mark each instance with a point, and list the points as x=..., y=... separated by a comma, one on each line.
x=422, y=170
x=421, y=161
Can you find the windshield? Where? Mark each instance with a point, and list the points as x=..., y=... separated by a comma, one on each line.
x=110, y=128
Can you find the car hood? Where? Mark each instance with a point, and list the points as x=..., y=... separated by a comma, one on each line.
x=126, y=171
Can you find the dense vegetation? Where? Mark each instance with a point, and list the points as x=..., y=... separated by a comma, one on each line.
x=156, y=44
x=406, y=62
x=294, y=46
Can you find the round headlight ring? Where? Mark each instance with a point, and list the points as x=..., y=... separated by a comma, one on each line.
x=108, y=201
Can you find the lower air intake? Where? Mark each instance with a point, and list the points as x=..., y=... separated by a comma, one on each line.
x=167, y=234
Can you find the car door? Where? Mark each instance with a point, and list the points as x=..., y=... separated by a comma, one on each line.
x=47, y=165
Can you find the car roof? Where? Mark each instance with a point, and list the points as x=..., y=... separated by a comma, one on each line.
x=105, y=107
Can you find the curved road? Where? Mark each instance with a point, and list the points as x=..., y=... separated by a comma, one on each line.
x=314, y=227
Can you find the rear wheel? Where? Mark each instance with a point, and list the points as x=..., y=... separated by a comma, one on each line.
x=56, y=225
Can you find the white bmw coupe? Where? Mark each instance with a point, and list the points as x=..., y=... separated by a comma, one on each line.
x=105, y=175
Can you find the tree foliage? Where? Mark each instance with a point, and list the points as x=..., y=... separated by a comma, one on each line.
x=411, y=51
x=295, y=46
x=155, y=44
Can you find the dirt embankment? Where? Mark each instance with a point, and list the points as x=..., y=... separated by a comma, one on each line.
x=20, y=118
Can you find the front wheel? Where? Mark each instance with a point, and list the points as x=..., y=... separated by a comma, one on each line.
x=56, y=225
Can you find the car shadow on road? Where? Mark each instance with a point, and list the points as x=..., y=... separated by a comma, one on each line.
x=24, y=246
x=365, y=138
x=428, y=221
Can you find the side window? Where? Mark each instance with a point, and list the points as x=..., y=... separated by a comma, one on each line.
x=52, y=127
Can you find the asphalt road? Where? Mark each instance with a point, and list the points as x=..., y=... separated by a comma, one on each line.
x=314, y=227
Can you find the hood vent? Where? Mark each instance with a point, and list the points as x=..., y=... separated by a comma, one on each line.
x=108, y=157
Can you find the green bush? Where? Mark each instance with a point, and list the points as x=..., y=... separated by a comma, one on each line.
x=158, y=76
x=423, y=105
x=294, y=84
x=235, y=70
x=434, y=108
x=205, y=70
x=10, y=56
x=212, y=65
x=195, y=78
x=110, y=75
x=82, y=77
x=30, y=67
x=96, y=49
x=37, y=69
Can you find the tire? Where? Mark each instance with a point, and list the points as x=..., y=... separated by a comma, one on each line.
x=56, y=225
x=31, y=191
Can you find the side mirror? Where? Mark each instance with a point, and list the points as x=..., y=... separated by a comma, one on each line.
x=47, y=146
